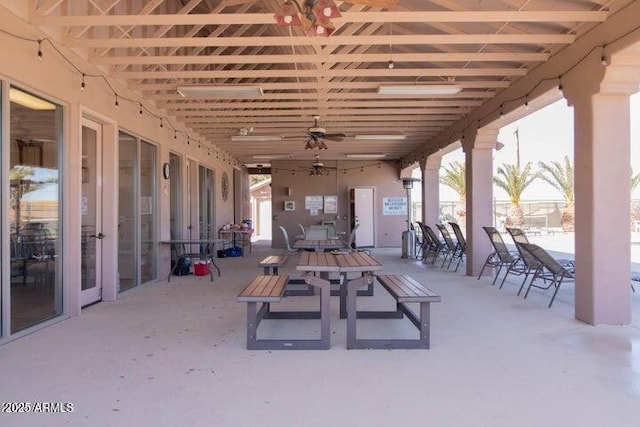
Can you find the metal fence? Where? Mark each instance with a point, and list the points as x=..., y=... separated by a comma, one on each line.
x=537, y=214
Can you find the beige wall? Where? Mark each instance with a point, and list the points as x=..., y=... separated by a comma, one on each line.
x=381, y=176
x=55, y=80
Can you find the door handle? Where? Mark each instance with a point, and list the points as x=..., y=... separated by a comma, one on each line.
x=100, y=236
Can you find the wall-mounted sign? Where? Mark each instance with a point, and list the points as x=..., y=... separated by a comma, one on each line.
x=330, y=204
x=313, y=202
x=394, y=206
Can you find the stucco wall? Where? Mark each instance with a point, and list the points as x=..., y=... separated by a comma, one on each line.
x=290, y=181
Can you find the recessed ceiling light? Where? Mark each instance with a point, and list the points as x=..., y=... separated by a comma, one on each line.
x=426, y=89
x=230, y=91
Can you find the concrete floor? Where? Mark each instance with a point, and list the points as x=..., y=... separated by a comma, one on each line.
x=173, y=354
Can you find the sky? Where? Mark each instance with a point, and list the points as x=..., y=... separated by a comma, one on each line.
x=545, y=135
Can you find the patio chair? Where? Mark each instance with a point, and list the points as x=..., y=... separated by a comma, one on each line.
x=452, y=248
x=462, y=242
x=436, y=246
x=501, y=256
x=351, y=243
x=528, y=265
x=549, y=269
x=286, y=241
x=302, y=235
x=419, y=243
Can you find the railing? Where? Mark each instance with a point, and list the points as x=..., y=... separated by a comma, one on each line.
x=545, y=214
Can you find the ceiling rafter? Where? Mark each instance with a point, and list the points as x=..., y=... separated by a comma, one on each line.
x=347, y=17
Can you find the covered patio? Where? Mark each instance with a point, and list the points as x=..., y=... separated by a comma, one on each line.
x=168, y=354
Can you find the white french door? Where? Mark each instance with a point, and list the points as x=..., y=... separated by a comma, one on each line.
x=91, y=213
x=363, y=216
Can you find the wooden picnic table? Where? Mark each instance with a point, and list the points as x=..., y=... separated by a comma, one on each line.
x=342, y=263
x=319, y=245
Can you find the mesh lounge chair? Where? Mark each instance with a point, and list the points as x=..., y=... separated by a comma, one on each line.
x=436, y=246
x=549, y=268
x=462, y=242
x=452, y=248
x=528, y=265
x=501, y=257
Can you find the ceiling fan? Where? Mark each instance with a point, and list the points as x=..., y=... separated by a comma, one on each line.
x=315, y=136
x=314, y=16
x=318, y=168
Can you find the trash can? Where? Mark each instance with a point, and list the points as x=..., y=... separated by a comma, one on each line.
x=408, y=244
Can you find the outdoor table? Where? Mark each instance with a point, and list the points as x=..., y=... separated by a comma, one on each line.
x=206, y=251
x=235, y=236
x=342, y=263
x=319, y=245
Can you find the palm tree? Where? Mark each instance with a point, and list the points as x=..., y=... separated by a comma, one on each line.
x=513, y=181
x=635, y=208
x=454, y=178
x=560, y=176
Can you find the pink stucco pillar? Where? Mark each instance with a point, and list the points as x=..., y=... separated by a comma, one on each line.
x=600, y=97
x=430, y=169
x=478, y=149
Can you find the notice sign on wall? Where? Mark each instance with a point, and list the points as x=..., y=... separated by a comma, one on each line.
x=313, y=202
x=394, y=206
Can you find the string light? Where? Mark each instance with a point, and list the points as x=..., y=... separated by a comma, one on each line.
x=603, y=59
x=175, y=134
x=560, y=84
x=161, y=124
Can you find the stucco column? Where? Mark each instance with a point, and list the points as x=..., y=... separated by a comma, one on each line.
x=430, y=169
x=600, y=97
x=478, y=148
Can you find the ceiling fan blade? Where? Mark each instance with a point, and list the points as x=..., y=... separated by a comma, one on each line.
x=337, y=137
x=387, y=4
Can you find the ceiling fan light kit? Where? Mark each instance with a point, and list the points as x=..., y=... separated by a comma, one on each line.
x=230, y=91
x=315, y=15
x=417, y=90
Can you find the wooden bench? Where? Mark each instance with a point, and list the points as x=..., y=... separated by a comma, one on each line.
x=271, y=264
x=267, y=289
x=404, y=289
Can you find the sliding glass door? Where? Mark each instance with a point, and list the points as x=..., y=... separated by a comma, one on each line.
x=137, y=242
x=34, y=212
x=206, y=203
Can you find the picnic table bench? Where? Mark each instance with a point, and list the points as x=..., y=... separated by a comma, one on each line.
x=271, y=263
x=267, y=289
x=404, y=289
